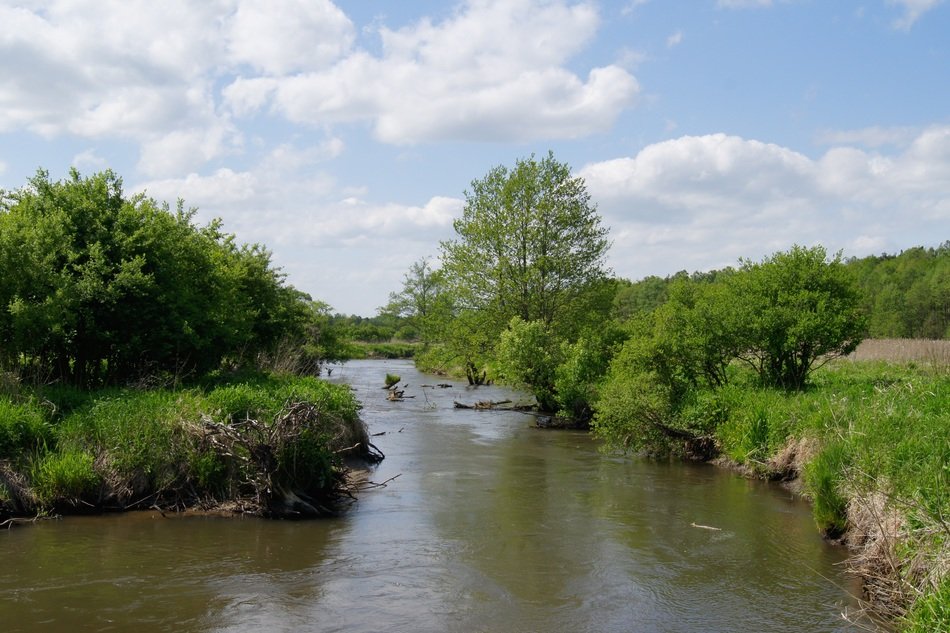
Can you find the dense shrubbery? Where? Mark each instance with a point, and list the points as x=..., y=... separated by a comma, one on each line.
x=781, y=318
x=97, y=288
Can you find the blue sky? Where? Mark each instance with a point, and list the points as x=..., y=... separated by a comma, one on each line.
x=343, y=135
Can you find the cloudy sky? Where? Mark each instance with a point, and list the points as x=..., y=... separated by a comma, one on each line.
x=344, y=134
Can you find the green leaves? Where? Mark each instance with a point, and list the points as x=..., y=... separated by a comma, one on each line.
x=97, y=288
x=530, y=244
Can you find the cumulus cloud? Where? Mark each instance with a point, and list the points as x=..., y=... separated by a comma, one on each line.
x=494, y=70
x=324, y=236
x=179, y=80
x=279, y=37
x=702, y=202
x=913, y=9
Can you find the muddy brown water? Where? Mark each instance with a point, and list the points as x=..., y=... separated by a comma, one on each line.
x=490, y=526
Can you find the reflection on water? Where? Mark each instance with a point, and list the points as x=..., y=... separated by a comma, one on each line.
x=491, y=526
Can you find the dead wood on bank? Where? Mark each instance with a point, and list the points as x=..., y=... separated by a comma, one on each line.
x=282, y=466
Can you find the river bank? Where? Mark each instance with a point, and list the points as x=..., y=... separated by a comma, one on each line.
x=868, y=445
x=257, y=443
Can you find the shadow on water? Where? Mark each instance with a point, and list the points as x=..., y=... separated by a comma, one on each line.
x=490, y=526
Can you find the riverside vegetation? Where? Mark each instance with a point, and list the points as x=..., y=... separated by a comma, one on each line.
x=753, y=366
x=146, y=361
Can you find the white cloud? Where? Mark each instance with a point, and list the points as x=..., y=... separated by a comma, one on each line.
x=674, y=40
x=913, y=9
x=284, y=36
x=631, y=6
x=494, y=70
x=703, y=202
x=179, y=79
x=135, y=71
x=89, y=161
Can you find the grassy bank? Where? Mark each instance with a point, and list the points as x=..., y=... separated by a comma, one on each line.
x=264, y=444
x=869, y=444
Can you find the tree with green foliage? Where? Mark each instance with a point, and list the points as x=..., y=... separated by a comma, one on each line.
x=424, y=301
x=96, y=287
x=798, y=310
x=529, y=244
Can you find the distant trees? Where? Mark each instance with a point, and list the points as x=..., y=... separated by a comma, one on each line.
x=424, y=301
x=96, y=287
x=906, y=295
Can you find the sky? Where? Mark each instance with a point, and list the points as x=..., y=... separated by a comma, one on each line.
x=344, y=135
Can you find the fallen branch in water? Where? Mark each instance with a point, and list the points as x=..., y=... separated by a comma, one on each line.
x=370, y=485
x=706, y=527
x=481, y=404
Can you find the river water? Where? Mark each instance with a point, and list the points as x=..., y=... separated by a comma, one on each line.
x=489, y=526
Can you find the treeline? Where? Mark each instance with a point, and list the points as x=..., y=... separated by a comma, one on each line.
x=902, y=296
x=99, y=288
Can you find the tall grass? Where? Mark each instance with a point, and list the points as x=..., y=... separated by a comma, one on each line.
x=213, y=442
x=877, y=471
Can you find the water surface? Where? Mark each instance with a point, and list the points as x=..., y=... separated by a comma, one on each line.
x=490, y=526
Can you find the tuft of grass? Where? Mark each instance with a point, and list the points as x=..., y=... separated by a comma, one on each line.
x=392, y=380
x=65, y=477
x=23, y=428
x=931, y=612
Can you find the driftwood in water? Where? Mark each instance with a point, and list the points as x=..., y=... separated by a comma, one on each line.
x=484, y=404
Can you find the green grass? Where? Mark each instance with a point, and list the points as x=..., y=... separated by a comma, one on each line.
x=931, y=612
x=23, y=428
x=69, y=476
x=117, y=448
x=876, y=429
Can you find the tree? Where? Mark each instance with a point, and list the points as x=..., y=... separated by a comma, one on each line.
x=797, y=310
x=96, y=287
x=529, y=244
x=424, y=300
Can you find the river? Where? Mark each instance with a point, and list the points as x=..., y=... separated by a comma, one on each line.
x=489, y=526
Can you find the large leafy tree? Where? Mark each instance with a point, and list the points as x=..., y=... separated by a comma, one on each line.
x=530, y=244
x=97, y=287
x=798, y=310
